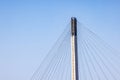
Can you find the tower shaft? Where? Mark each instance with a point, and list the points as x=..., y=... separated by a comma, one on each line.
x=74, y=52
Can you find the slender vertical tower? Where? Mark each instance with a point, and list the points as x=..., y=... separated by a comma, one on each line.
x=74, y=55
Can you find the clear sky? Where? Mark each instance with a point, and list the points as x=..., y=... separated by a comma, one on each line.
x=28, y=29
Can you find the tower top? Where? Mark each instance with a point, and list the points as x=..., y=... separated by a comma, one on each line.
x=73, y=18
x=73, y=26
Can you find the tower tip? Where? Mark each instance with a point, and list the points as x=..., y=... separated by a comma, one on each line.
x=74, y=26
x=73, y=18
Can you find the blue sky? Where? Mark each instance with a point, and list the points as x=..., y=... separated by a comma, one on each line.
x=28, y=29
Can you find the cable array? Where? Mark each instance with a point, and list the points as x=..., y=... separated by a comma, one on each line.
x=96, y=59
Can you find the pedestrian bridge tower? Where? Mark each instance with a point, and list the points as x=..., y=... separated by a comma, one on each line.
x=74, y=52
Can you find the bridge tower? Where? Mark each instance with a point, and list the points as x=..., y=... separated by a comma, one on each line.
x=74, y=52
